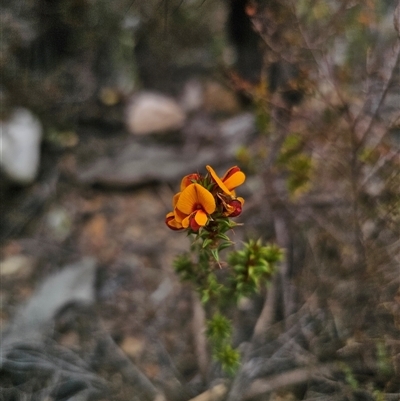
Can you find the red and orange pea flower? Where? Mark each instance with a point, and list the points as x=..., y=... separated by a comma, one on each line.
x=189, y=179
x=192, y=207
x=230, y=180
x=195, y=204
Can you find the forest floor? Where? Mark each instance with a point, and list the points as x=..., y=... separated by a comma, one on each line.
x=130, y=319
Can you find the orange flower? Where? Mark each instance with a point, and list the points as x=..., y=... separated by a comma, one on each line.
x=235, y=207
x=193, y=207
x=231, y=179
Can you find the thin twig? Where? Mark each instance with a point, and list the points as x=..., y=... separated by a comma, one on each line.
x=262, y=387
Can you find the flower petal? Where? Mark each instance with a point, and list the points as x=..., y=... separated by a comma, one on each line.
x=218, y=180
x=201, y=218
x=240, y=199
x=205, y=199
x=188, y=200
x=169, y=215
x=175, y=199
x=186, y=221
x=234, y=180
x=194, y=197
x=193, y=225
x=230, y=172
x=179, y=216
x=172, y=223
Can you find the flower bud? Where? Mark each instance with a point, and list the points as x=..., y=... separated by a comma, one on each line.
x=234, y=208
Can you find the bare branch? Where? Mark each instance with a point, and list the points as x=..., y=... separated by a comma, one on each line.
x=199, y=336
x=297, y=376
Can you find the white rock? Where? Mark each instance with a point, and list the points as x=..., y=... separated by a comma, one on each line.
x=20, y=146
x=16, y=264
x=150, y=112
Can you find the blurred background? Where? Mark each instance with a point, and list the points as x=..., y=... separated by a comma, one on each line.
x=106, y=105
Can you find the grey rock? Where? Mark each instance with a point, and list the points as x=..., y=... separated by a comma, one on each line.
x=20, y=146
x=137, y=164
x=236, y=131
x=32, y=322
x=162, y=292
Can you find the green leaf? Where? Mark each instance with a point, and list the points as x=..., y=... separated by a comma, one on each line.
x=262, y=268
x=226, y=224
x=205, y=297
x=214, y=253
x=251, y=271
x=207, y=242
x=223, y=237
x=238, y=268
x=224, y=245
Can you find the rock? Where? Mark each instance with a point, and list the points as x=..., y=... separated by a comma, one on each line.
x=20, y=146
x=134, y=164
x=237, y=131
x=34, y=320
x=151, y=112
x=137, y=165
x=161, y=293
x=16, y=264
